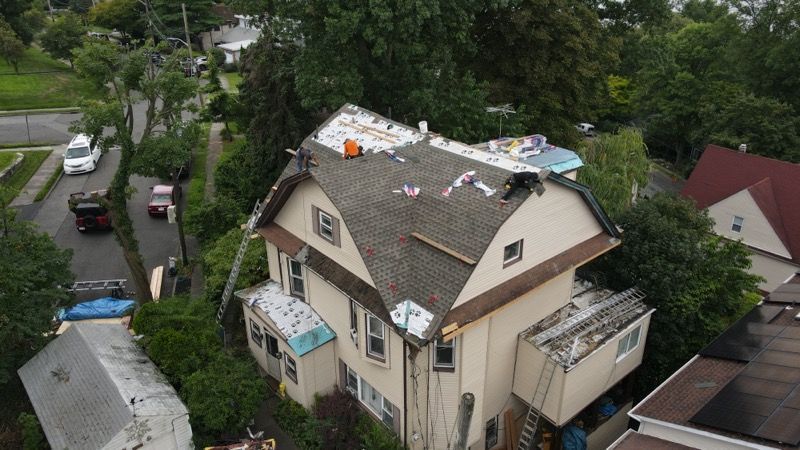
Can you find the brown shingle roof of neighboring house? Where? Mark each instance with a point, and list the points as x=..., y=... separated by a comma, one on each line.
x=364, y=190
x=774, y=185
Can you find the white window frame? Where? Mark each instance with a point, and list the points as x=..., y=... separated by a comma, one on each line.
x=255, y=330
x=290, y=367
x=626, y=346
x=296, y=277
x=386, y=413
x=516, y=257
x=325, y=230
x=449, y=344
x=354, y=322
x=370, y=335
x=734, y=224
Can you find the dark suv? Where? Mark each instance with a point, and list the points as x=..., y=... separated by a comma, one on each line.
x=91, y=216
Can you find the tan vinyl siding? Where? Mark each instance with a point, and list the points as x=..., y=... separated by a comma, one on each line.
x=756, y=229
x=317, y=371
x=549, y=225
x=296, y=217
x=334, y=307
x=775, y=271
x=599, y=371
x=259, y=353
x=444, y=398
x=530, y=363
x=417, y=396
x=473, y=347
x=504, y=328
x=272, y=262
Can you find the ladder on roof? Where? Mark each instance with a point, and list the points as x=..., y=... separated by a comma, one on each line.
x=116, y=286
x=596, y=316
x=528, y=434
x=237, y=262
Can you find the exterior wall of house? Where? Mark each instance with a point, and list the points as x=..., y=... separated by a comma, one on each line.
x=693, y=438
x=209, y=38
x=443, y=399
x=161, y=435
x=548, y=225
x=756, y=229
x=272, y=262
x=296, y=217
x=572, y=391
x=775, y=270
x=418, y=373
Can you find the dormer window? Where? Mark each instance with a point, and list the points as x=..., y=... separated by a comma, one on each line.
x=512, y=253
x=736, y=226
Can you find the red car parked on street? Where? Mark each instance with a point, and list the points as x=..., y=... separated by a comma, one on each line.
x=163, y=196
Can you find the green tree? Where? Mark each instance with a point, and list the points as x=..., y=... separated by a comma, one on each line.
x=213, y=219
x=132, y=77
x=550, y=55
x=32, y=435
x=169, y=17
x=179, y=354
x=224, y=395
x=125, y=16
x=15, y=13
x=63, y=36
x=615, y=166
x=35, y=272
x=217, y=264
x=11, y=47
x=696, y=280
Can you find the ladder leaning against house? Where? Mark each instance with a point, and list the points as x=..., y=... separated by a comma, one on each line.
x=526, y=437
x=237, y=262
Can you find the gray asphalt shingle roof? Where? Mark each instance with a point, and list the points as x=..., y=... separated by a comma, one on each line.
x=81, y=384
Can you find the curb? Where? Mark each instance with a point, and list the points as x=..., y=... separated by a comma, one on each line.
x=52, y=188
x=33, y=112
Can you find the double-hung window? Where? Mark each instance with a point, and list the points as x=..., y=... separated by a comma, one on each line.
x=326, y=226
x=444, y=358
x=628, y=343
x=291, y=367
x=296, y=286
x=376, y=344
x=736, y=226
x=354, y=322
x=372, y=399
x=255, y=333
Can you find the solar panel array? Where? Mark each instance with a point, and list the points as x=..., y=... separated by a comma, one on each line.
x=763, y=400
x=786, y=293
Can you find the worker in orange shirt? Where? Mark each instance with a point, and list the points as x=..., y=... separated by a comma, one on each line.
x=352, y=149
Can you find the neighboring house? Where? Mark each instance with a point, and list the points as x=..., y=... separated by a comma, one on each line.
x=233, y=51
x=740, y=392
x=410, y=303
x=756, y=200
x=94, y=388
x=212, y=37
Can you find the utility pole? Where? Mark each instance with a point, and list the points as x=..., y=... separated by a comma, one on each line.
x=195, y=73
x=464, y=418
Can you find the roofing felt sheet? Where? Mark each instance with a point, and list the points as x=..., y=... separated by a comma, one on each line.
x=372, y=133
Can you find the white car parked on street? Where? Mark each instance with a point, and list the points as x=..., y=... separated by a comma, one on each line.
x=81, y=156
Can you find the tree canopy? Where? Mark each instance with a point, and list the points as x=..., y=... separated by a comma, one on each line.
x=63, y=36
x=125, y=16
x=11, y=47
x=696, y=280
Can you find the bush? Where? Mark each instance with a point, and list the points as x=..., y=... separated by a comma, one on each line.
x=338, y=417
x=375, y=436
x=212, y=220
x=219, y=256
x=180, y=354
x=174, y=313
x=230, y=67
x=32, y=434
x=298, y=423
x=219, y=56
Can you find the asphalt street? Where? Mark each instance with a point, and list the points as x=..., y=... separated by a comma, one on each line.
x=47, y=128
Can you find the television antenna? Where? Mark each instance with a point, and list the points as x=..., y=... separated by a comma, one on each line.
x=503, y=111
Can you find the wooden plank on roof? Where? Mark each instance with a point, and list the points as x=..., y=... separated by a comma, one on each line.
x=155, y=282
x=441, y=247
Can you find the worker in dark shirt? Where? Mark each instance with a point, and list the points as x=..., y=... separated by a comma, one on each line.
x=530, y=180
x=303, y=159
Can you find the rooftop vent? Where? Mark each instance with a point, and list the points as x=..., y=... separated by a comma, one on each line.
x=423, y=127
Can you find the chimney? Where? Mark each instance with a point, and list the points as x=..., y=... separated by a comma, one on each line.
x=743, y=148
x=423, y=127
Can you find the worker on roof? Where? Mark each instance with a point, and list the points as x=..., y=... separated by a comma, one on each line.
x=352, y=149
x=303, y=159
x=530, y=180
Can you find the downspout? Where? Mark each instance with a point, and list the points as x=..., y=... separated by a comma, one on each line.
x=405, y=393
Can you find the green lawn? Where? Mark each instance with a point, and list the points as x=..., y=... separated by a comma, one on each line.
x=233, y=81
x=58, y=88
x=33, y=159
x=6, y=158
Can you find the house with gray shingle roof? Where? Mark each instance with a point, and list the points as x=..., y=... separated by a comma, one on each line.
x=400, y=277
x=94, y=388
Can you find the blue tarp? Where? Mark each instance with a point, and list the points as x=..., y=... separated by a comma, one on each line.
x=102, y=308
x=574, y=438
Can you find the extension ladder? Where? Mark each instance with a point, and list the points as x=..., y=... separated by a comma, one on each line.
x=237, y=262
x=526, y=437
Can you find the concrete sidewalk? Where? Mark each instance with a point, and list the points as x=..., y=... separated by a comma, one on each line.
x=39, y=179
x=212, y=156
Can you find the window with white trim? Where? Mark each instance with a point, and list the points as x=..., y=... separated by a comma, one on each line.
x=296, y=285
x=255, y=333
x=376, y=344
x=736, y=225
x=354, y=323
x=444, y=357
x=291, y=367
x=628, y=343
x=325, y=225
x=370, y=397
x=512, y=253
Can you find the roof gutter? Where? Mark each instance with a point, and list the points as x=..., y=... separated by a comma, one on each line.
x=698, y=432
